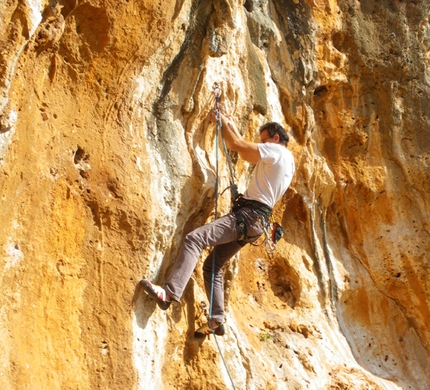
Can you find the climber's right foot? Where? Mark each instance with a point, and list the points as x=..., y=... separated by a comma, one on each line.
x=156, y=292
x=212, y=327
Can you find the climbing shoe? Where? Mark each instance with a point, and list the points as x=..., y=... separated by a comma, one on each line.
x=156, y=292
x=217, y=329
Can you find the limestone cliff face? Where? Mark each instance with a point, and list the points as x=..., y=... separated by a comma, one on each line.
x=107, y=159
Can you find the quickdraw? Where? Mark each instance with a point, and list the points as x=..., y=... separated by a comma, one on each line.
x=273, y=232
x=270, y=245
x=217, y=94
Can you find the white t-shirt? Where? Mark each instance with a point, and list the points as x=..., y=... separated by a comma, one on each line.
x=272, y=174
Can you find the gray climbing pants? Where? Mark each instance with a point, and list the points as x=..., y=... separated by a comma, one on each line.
x=221, y=234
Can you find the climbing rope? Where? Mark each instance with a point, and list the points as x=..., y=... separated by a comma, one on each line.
x=232, y=186
x=272, y=230
x=218, y=127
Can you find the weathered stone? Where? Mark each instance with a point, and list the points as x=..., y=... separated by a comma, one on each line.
x=107, y=160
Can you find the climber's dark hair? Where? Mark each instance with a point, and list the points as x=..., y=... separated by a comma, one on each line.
x=275, y=128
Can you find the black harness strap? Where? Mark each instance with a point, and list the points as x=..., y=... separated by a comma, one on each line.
x=241, y=227
x=259, y=208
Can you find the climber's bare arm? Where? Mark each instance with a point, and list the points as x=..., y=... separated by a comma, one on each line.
x=234, y=141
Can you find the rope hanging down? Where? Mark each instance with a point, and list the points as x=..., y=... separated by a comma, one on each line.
x=272, y=231
x=217, y=94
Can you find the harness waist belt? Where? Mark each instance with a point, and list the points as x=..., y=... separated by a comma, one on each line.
x=254, y=204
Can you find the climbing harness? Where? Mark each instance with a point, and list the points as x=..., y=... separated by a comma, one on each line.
x=273, y=231
x=258, y=208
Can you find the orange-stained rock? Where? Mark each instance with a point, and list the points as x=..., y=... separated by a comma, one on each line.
x=108, y=159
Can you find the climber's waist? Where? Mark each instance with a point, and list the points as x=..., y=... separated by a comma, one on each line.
x=253, y=204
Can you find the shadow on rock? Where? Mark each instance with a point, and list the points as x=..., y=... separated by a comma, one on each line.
x=144, y=306
x=192, y=346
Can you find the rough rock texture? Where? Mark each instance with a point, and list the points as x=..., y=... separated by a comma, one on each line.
x=107, y=159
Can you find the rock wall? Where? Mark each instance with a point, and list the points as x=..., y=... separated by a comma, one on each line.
x=107, y=159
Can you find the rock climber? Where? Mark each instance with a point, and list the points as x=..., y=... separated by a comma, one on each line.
x=271, y=178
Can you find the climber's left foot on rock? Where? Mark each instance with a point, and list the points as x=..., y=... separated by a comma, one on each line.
x=158, y=293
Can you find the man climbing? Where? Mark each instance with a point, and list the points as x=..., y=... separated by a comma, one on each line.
x=271, y=178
